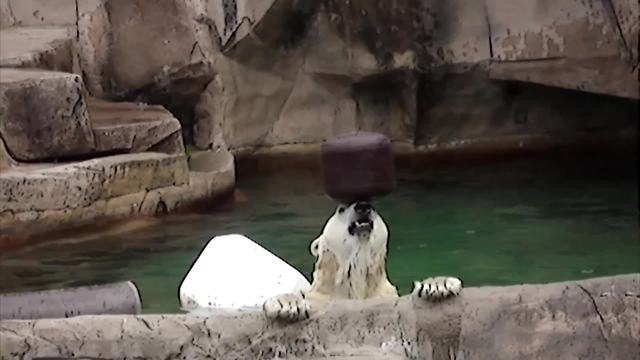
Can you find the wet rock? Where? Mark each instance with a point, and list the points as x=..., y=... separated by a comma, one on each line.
x=46, y=197
x=594, y=318
x=47, y=48
x=80, y=184
x=44, y=115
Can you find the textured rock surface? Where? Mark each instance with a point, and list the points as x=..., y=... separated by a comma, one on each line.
x=80, y=184
x=108, y=188
x=371, y=65
x=126, y=45
x=595, y=318
x=44, y=12
x=569, y=43
x=627, y=17
x=469, y=106
x=131, y=128
x=44, y=115
x=6, y=161
x=47, y=48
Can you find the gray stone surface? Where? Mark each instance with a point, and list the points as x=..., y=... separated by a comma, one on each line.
x=568, y=43
x=81, y=184
x=6, y=18
x=534, y=30
x=470, y=106
x=33, y=200
x=45, y=12
x=590, y=319
x=44, y=115
x=130, y=127
x=127, y=45
x=49, y=118
x=627, y=16
x=48, y=48
x=606, y=75
x=360, y=65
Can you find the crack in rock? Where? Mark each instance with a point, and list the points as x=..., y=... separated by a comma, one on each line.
x=595, y=306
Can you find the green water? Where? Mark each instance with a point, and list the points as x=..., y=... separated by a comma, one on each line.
x=526, y=221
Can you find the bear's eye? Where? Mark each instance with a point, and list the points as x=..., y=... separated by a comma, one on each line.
x=341, y=209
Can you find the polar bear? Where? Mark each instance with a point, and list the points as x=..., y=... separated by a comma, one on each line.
x=350, y=264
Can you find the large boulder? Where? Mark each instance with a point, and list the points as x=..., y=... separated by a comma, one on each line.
x=44, y=115
x=127, y=45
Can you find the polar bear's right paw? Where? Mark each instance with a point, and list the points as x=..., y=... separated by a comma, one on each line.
x=287, y=307
x=437, y=288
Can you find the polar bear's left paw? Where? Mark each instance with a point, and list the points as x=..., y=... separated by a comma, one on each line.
x=437, y=288
x=287, y=307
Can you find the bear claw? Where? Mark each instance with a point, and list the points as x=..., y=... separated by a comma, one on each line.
x=437, y=288
x=287, y=307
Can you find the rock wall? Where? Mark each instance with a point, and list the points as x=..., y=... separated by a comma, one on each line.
x=244, y=74
x=401, y=68
x=590, y=319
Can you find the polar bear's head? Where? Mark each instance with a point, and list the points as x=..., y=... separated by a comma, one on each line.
x=352, y=225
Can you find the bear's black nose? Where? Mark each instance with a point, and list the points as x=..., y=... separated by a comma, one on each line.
x=362, y=208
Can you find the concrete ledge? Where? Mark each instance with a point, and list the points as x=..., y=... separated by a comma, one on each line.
x=45, y=47
x=104, y=189
x=591, y=319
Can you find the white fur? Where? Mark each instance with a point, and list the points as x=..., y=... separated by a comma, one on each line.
x=351, y=267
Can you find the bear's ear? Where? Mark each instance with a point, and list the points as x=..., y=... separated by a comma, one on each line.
x=341, y=208
x=315, y=247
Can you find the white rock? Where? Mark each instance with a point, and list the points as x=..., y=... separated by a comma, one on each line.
x=233, y=272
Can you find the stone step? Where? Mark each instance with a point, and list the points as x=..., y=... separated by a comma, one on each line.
x=44, y=12
x=130, y=127
x=80, y=184
x=48, y=117
x=49, y=48
x=39, y=198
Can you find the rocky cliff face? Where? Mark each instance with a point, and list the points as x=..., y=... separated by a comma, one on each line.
x=405, y=68
x=245, y=74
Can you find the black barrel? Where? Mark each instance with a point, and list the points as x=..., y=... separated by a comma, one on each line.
x=358, y=167
x=116, y=298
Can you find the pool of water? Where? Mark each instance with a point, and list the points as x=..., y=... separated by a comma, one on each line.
x=525, y=221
